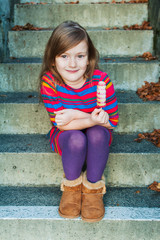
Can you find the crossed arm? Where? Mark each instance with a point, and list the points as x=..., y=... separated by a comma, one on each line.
x=70, y=119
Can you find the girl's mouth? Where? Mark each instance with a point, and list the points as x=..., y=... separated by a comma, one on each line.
x=72, y=71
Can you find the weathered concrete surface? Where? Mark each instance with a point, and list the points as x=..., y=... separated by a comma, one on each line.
x=27, y=160
x=44, y=222
x=32, y=43
x=50, y=196
x=124, y=73
x=137, y=117
x=131, y=75
x=30, y=169
x=21, y=114
x=24, y=118
x=132, y=169
x=19, y=77
x=87, y=15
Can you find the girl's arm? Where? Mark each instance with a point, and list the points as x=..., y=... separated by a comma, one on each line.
x=77, y=124
x=81, y=120
x=65, y=116
x=70, y=119
x=50, y=97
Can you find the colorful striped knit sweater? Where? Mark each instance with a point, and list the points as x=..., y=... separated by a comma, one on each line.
x=58, y=97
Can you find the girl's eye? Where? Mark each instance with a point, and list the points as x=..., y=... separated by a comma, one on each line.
x=80, y=56
x=64, y=56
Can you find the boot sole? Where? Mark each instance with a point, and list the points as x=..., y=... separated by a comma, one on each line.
x=67, y=216
x=92, y=220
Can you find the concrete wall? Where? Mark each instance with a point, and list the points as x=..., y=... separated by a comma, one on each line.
x=154, y=18
x=6, y=22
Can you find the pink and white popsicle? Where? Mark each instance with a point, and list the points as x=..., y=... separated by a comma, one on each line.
x=101, y=94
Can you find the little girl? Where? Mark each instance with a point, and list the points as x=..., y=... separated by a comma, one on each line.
x=81, y=132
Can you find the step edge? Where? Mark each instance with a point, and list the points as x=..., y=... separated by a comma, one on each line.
x=51, y=213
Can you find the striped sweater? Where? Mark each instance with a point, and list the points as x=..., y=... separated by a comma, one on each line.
x=58, y=97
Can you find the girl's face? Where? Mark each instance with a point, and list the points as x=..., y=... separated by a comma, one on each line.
x=72, y=65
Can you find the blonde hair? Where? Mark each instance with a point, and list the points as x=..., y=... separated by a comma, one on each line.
x=65, y=36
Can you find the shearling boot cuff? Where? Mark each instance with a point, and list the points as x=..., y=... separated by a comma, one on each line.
x=97, y=187
x=71, y=185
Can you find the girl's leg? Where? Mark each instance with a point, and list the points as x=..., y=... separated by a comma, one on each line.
x=73, y=144
x=97, y=152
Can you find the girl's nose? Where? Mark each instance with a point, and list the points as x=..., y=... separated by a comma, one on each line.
x=72, y=62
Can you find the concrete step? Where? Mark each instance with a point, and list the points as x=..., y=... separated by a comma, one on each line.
x=27, y=160
x=87, y=15
x=130, y=43
x=21, y=113
x=33, y=214
x=21, y=75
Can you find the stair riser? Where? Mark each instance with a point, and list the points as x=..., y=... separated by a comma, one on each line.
x=33, y=118
x=125, y=76
x=108, y=42
x=19, y=77
x=45, y=169
x=91, y=15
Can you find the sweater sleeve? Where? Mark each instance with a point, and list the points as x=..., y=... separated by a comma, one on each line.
x=50, y=97
x=111, y=101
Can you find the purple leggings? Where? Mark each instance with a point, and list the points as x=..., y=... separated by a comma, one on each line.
x=90, y=145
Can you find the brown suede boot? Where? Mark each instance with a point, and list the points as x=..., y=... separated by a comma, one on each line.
x=92, y=200
x=70, y=204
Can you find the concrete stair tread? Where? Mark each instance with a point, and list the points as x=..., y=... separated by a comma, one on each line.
x=36, y=143
x=123, y=97
x=135, y=197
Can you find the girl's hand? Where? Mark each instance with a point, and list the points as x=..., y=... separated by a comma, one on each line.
x=64, y=116
x=99, y=116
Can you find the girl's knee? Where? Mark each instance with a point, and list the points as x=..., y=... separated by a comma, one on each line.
x=77, y=140
x=98, y=134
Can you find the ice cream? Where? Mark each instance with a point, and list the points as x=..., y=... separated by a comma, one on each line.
x=101, y=94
